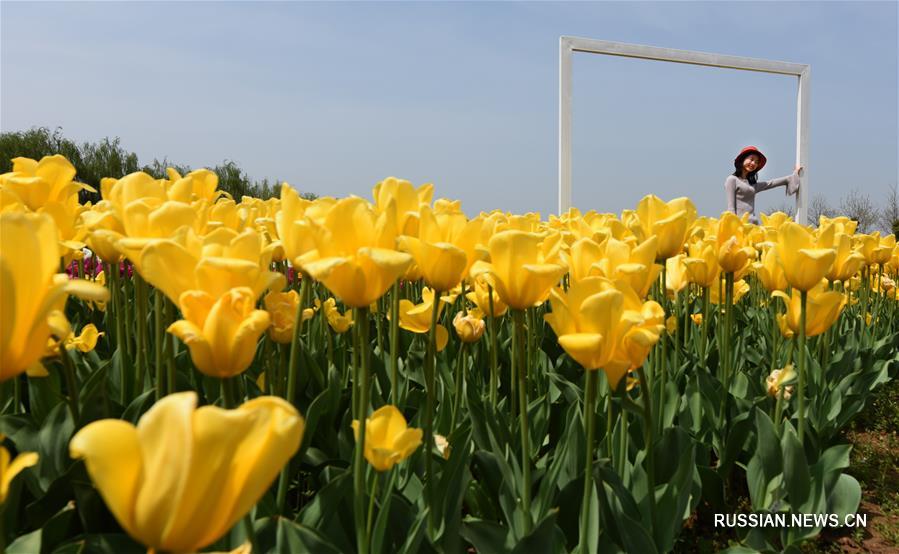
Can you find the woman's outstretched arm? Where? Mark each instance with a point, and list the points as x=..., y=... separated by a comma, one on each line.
x=790, y=181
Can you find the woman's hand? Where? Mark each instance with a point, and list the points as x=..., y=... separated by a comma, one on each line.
x=798, y=170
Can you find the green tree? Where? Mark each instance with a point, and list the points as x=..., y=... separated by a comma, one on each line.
x=107, y=158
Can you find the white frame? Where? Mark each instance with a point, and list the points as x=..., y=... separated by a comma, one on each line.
x=569, y=45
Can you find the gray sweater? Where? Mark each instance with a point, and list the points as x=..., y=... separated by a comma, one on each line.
x=741, y=195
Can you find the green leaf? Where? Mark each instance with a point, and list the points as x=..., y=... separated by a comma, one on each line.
x=844, y=498
x=545, y=537
x=767, y=448
x=26, y=544
x=796, y=474
x=293, y=537
x=139, y=406
x=487, y=537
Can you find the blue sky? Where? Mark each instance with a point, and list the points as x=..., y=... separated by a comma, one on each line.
x=333, y=97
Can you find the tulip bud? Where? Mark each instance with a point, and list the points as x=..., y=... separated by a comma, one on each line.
x=777, y=380
x=470, y=327
x=671, y=324
x=697, y=318
x=443, y=446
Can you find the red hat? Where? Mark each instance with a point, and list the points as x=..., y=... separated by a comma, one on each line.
x=747, y=151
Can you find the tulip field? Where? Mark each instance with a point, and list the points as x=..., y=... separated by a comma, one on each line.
x=182, y=371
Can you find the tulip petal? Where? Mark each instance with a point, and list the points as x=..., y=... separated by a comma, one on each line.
x=169, y=267
x=112, y=454
x=166, y=444
x=584, y=348
x=275, y=437
x=217, y=434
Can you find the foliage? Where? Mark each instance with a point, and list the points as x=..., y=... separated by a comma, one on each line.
x=108, y=158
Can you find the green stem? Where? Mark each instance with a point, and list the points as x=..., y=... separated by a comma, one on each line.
x=622, y=454
x=229, y=398
x=650, y=451
x=802, y=361
x=292, y=370
x=430, y=385
x=68, y=369
x=704, y=341
x=589, y=424
x=610, y=413
x=460, y=377
x=726, y=353
x=118, y=324
x=157, y=344
x=142, y=361
x=395, y=343
x=778, y=410
x=169, y=347
x=371, y=507
x=521, y=366
x=494, y=369
x=17, y=394
x=361, y=325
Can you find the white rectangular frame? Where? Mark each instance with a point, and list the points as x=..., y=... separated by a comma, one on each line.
x=569, y=45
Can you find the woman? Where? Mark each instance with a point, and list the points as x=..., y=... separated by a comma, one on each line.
x=743, y=185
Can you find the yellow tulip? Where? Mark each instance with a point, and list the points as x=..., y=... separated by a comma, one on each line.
x=282, y=309
x=184, y=476
x=847, y=262
x=770, y=272
x=407, y=201
x=775, y=220
x=668, y=221
x=842, y=224
x=355, y=256
x=604, y=325
x=216, y=263
x=741, y=287
x=480, y=297
x=523, y=267
x=388, y=438
x=293, y=222
x=634, y=264
x=100, y=279
x=33, y=295
x=581, y=257
x=199, y=184
x=671, y=324
x=804, y=261
x=9, y=470
x=104, y=231
x=697, y=318
x=702, y=263
x=676, y=278
x=417, y=317
x=470, y=327
x=39, y=183
x=221, y=333
x=442, y=263
x=86, y=341
x=339, y=322
x=734, y=252
x=822, y=309
x=884, y=250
